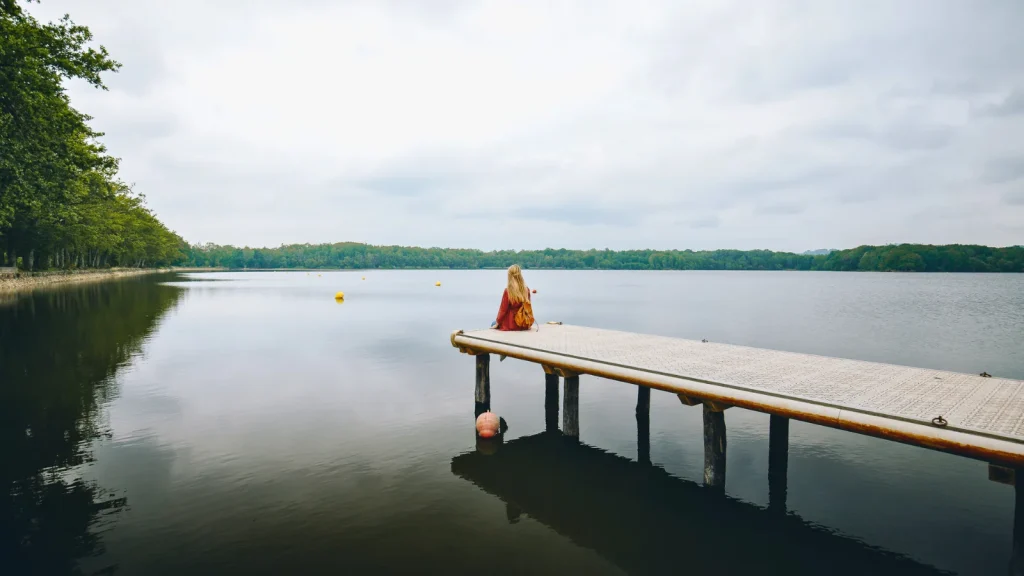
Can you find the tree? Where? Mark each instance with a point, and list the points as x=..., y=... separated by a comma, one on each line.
x=864, y=258
x=60, y=200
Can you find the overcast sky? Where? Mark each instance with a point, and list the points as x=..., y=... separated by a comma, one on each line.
x=788, y=125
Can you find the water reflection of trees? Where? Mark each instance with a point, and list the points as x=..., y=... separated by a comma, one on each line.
x=59, y=353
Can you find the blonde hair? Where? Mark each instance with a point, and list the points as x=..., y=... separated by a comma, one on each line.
x=517, y=291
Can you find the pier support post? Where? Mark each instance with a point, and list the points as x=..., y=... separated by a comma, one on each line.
x=1017, y=553
x=482, y=394
x=550, y=400
x=778, y=461
x=571, y=406
x=643, y=425
x=714, y=447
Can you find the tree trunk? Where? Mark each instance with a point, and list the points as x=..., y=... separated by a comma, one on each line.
x=31, y=258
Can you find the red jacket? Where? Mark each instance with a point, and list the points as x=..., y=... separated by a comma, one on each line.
x=507, y=313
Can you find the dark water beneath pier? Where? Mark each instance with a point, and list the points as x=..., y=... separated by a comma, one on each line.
x=251, y=425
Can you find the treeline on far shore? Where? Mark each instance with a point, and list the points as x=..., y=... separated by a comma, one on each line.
x=350, y=255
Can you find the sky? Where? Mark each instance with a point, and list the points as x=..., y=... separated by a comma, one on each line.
x=779, y=124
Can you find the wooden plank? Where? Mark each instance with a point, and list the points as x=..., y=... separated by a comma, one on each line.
x=981, y=417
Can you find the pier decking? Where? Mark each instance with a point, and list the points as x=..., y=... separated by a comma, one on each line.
x=980, y=417
x=971, y=415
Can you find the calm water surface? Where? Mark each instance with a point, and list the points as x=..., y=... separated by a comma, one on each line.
x=245, y=423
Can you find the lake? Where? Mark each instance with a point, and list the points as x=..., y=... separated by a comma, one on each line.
x=245, y=423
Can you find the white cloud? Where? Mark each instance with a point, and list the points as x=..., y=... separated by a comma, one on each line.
x=783, y=125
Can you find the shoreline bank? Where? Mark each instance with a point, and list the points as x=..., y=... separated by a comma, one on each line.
x=31, y=280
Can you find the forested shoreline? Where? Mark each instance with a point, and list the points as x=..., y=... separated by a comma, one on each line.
x=350, y=255
x=62, y=204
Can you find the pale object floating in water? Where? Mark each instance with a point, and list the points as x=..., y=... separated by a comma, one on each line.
x=487, y=425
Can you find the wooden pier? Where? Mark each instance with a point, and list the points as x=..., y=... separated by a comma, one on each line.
x=976, y=416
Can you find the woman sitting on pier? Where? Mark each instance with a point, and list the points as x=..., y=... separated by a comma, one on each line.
x=515, y=312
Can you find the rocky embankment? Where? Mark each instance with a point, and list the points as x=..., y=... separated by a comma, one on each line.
x=30, y=280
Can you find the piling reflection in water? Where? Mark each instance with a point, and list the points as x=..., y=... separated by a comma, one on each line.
x=644, y=520
x=59, y=351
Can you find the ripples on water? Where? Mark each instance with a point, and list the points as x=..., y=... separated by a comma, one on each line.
x=253, y=425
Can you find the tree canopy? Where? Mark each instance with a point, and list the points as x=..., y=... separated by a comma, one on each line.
x=894, y=258
x=61, y=203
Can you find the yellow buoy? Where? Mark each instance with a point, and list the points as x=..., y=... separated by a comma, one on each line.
x=364, y=277
x=339, y=295
x=437, y=283
x=318, y=275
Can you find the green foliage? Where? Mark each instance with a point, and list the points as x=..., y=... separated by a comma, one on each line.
x=60, y=202
x=905, y=257
x=926, y=258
